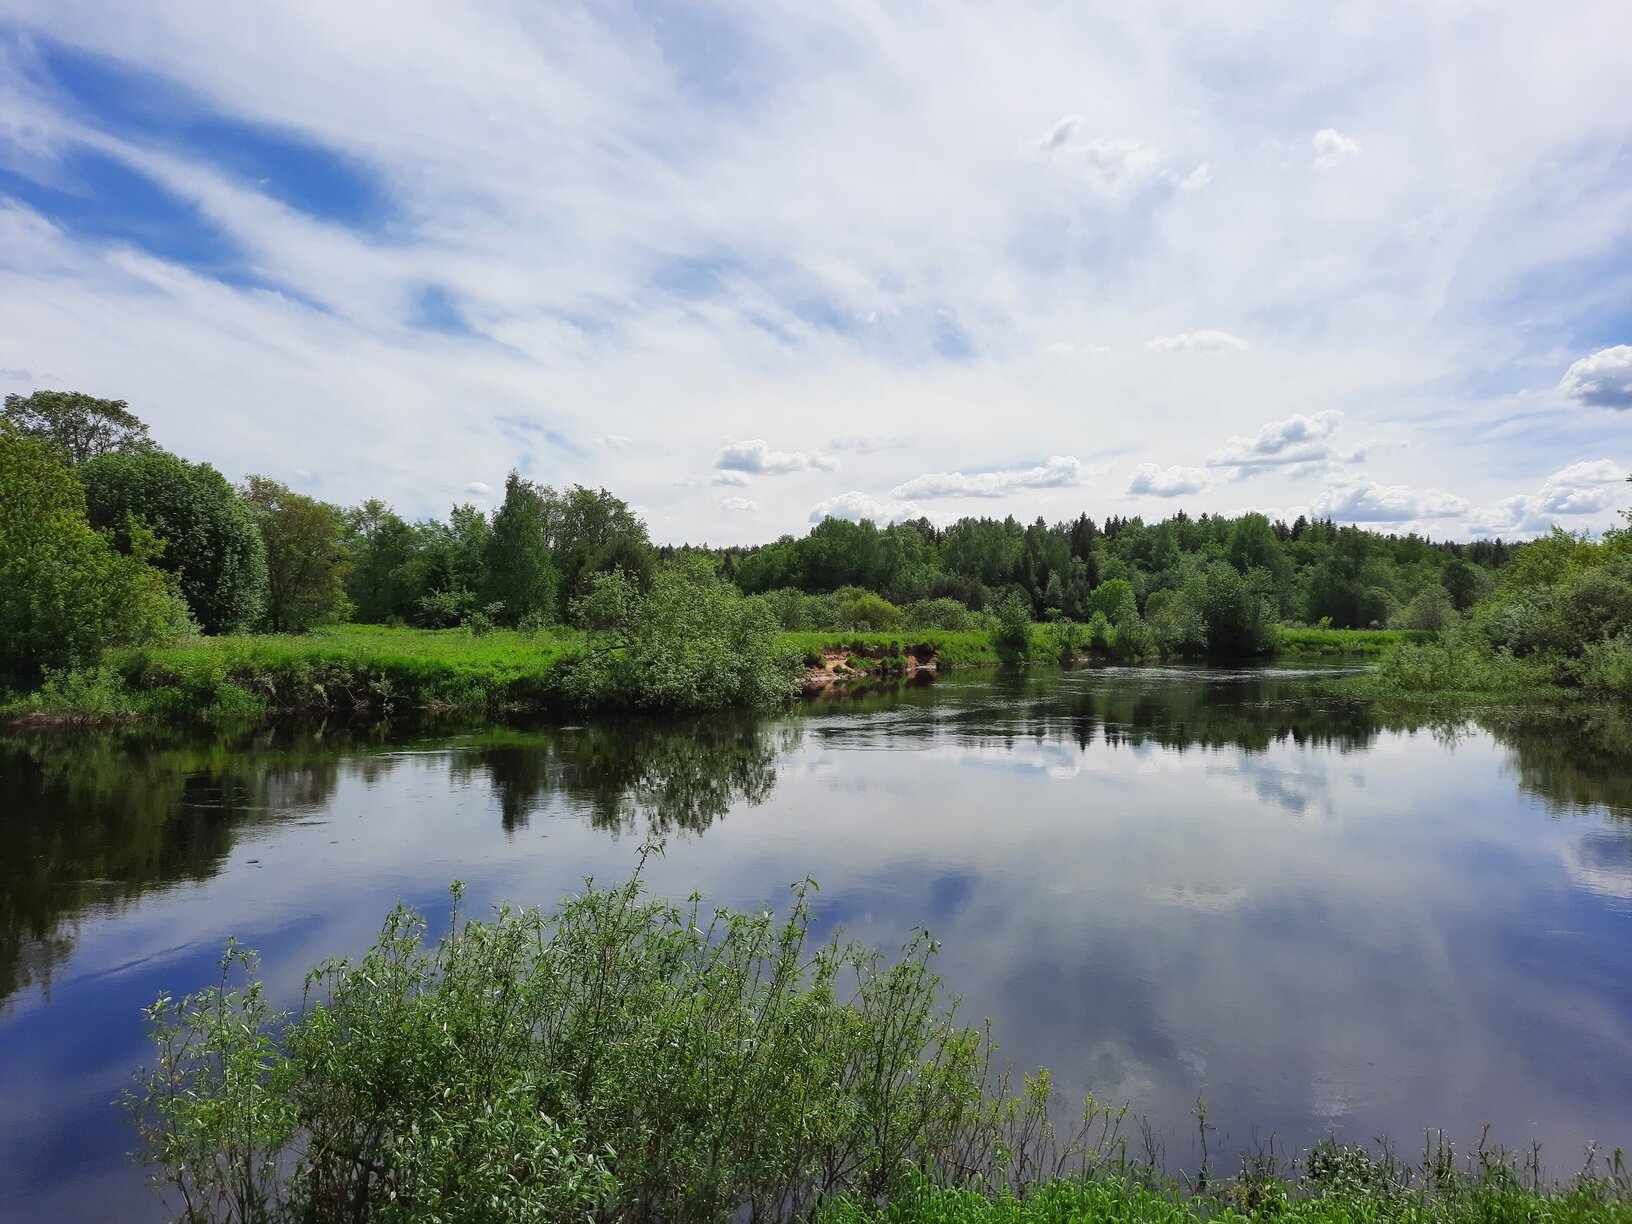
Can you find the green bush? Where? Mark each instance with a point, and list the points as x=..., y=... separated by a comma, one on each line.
x=1011, y=635
x=620, y=1058
x=868, y=611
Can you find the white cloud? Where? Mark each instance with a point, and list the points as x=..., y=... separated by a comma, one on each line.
x=1201, y=176
x=1366, y=501
x=754, y=455
x=856, y=505
x=1111, y=167
x=738, y=505
x=636, y=248
x=478, y=488
x=1197, y=342
x=1603, y=379
x=1298, y=439
x=730, y=479
x=1591, y=487
x=1149, y=478
x=1333, y=147
x=865, y=444
x=1061, y=471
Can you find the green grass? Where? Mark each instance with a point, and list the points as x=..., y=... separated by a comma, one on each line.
x=1295, y=641
x=1488, y=1194
x=344, y=668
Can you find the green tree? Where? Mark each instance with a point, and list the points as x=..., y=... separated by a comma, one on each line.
x=305, y=556
x=211, y=542
x=591, y=531
x=520, y=571
x=1115, y=599
x=78, y=427
x=66, y=593
x=385, y=572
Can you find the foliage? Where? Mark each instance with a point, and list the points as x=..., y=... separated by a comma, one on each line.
x=622, y=1056
x=305, y=557
x=868, y=611
x=211, y=542
x=519, y=571
x=66, y=594
x=75, y=426
x=1011, y=635
x=690, y=642
x=1431, y=609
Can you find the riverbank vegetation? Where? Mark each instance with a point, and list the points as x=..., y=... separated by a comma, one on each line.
x=138, y=584
x=628, y=1058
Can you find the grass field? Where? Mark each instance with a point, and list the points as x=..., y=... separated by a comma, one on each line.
x=377, y=668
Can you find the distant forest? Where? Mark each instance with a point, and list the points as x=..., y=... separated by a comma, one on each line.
x=110, y=539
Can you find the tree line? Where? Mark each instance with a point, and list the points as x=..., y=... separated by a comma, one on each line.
x=108, y=539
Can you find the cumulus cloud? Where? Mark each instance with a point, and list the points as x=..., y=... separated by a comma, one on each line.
x=856, y=505
x=1197, y=342
x=1333, y=147
x=1157, y=481
x=1603, y=379
x=727, y=479
x=864, y=444
x=1060, y=472
x=1198, y=178
x=1298, y=439
x=738, y=505
x=1110, y=167
x=1591, y=487
x=755, y=455
x=1366, y=501
x=479, y=488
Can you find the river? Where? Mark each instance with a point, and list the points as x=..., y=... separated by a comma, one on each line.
x=1162, y=883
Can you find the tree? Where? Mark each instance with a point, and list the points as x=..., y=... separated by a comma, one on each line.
x=211, y=542
x=384, y=574
x=520, y=572
x=305, y=557
x=78, y=427
x=591, y=531
x=66, y=594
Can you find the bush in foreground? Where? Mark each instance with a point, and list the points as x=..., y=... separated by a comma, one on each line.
x=623, y=1057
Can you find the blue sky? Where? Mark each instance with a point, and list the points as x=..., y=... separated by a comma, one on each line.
x=747, y=265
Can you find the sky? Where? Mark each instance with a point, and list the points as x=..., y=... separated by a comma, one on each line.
x=747, y=265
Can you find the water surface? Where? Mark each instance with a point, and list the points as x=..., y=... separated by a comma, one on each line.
x=1161, y=883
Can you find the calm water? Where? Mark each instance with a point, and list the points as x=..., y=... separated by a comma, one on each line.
x=1161, y=883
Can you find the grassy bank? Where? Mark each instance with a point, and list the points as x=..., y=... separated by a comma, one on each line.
x=1296, y=642
x=346, y=668
x=374, y=668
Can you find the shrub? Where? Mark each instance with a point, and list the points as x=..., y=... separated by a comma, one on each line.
x=691, y=642
x=1011, y=636
x=942, y=613
x=620, y=1058
x=868, y=611
x=1099, y=632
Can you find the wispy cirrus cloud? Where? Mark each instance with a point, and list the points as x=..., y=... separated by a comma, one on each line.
x=1198, y=342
